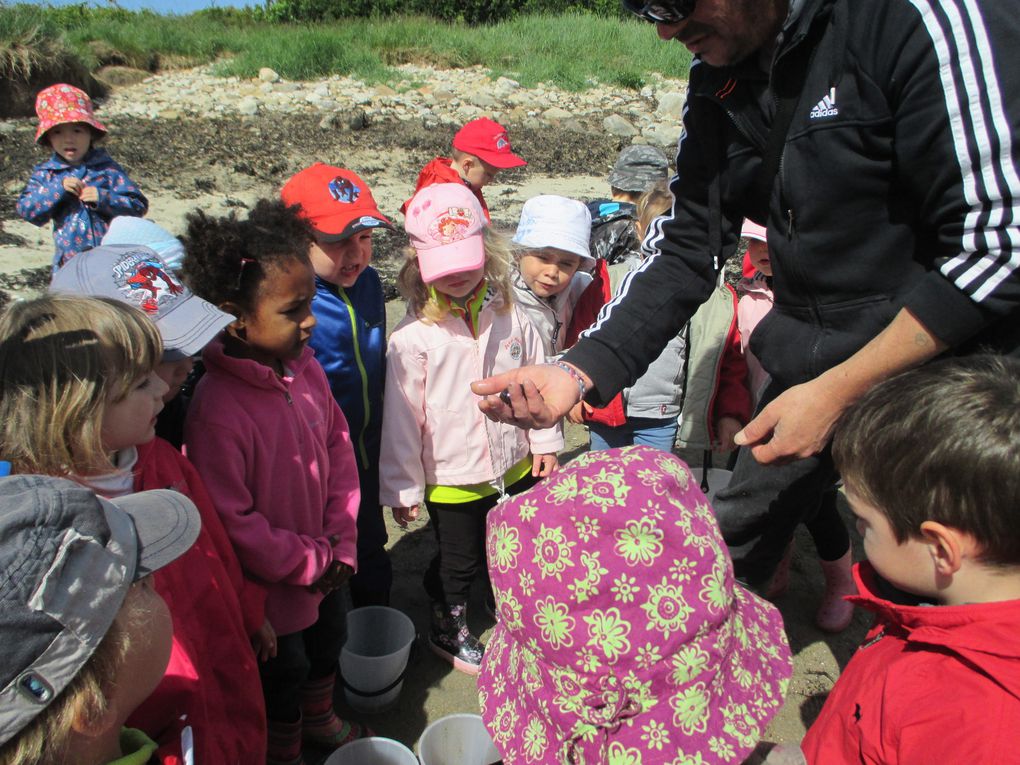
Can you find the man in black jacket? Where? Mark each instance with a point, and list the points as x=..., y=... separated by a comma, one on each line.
x=890, y=193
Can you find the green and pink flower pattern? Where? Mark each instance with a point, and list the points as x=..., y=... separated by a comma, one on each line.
x=622, y=637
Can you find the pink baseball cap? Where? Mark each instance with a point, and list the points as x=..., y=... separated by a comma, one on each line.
x=62, y=103
x=488, y=141
x=751, y=230
x=445, y=224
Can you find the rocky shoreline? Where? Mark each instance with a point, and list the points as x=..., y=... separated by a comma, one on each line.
x=192, y=139
x=433, y=97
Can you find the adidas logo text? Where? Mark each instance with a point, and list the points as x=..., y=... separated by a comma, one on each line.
x=826, y=107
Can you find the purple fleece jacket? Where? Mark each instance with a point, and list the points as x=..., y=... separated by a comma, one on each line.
x=276, y=456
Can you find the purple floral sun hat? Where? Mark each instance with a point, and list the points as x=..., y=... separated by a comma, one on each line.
x=622, y=636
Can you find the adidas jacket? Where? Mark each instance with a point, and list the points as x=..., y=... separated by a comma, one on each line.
x=897, y=188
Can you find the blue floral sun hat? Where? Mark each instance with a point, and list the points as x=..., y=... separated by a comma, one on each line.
x=623, y=637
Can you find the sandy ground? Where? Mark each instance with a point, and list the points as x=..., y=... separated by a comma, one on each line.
x=183, y=166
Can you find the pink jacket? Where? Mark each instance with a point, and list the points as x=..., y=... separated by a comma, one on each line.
x=433, y=432
x=755, y=301
x=276, y=457
x=929, y=684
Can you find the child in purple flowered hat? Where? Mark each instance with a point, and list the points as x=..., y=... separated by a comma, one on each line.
x=80, y=188
x=622, y=636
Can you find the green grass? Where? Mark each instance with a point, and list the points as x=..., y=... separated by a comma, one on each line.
x=569, y=50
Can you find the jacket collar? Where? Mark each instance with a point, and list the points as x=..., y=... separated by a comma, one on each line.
x=984, y=634
x=255, y=374
x=94, y=157
x=714, y=80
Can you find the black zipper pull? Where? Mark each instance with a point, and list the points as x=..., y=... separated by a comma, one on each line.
x=789, y=223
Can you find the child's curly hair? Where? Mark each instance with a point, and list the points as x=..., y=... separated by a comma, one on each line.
x=227, y=258
x=421, y=299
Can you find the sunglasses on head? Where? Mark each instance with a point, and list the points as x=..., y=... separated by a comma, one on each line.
x=661, y=11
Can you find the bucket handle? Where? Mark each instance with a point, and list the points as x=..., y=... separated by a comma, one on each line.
x=382, y=691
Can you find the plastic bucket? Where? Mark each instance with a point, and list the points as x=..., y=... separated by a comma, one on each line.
x=457, y=740
x=717, y=479
x=374, y=658
x=372, y=751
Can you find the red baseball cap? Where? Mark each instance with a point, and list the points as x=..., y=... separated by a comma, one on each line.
x=335, y=201
x=488, y=141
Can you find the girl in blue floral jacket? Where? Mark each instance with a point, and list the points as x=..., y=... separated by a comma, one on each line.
x=80, y=188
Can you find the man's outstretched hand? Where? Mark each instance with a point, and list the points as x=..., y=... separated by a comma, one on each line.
x=532, y=397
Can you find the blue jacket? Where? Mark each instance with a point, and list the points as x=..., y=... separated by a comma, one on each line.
x=76, y=225
x=350, y=342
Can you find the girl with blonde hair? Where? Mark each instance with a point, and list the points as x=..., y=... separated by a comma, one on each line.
x=440, y=450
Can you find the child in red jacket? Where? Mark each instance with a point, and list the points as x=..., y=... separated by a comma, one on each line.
x=79, y=397
x=932, y=472
x=480, y=150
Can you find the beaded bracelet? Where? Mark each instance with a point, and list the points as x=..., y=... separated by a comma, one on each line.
x=573, y=373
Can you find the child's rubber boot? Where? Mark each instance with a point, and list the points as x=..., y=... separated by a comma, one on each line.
x=835, y=614
x=451, y=640
x=780, y=582
x=322, y=727
x=284, y=743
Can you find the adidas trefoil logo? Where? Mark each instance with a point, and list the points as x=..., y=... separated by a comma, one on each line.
x=826, y=107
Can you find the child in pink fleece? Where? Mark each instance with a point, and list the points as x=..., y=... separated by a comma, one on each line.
x=275, y=452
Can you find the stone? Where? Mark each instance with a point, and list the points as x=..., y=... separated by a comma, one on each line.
x=671, y=105
x=358, y=120
x=385, y=90
x=248, y=106
x=616, y=125
x=556, y=114
x=268, y=75
x=662, y=135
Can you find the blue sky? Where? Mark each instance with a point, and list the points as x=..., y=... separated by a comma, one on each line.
x=160, y=6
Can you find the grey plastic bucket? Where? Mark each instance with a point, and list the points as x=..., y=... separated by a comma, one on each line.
x=372, y=751
x=457, y=740
x=374, y=658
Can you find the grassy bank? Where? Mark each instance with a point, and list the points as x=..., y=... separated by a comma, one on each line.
x=571, y=50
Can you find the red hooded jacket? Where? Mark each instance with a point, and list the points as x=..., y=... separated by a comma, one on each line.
x=440, y=170
x=930, y=684
x=212, y=682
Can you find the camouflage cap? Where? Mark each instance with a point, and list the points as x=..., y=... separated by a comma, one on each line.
x=638, y=168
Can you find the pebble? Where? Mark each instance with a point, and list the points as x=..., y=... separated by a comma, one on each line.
x=434, y=96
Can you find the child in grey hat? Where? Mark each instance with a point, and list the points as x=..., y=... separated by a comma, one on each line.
x=84, y=637
x=614, y=235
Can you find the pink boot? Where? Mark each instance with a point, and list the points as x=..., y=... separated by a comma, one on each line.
x=835, y=614
x=781, y=578
x=321, y=726
x=284, y=743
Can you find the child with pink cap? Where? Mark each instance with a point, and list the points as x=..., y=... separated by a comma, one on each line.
x=440, y=450
x=623, y=636
x=80, y=188
x=829, y=533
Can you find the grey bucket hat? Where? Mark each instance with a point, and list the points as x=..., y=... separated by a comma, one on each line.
x=67, y=560
x=638, y=168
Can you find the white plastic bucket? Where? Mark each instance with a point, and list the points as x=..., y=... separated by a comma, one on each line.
x=374, y=658
x=717, y=479
x=457, y=740
x=372, y=751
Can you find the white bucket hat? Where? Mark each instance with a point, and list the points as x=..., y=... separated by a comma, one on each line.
x=554, y=221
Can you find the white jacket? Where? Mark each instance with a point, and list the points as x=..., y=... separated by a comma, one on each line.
x=551, y=316
x=432, y=431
